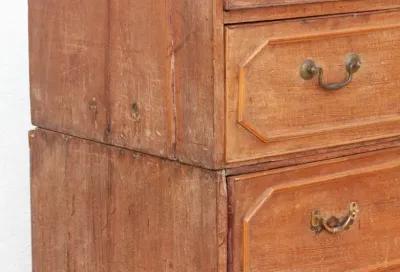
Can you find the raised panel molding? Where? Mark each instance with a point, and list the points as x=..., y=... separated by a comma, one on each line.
x=265, y=196
x=252, y=128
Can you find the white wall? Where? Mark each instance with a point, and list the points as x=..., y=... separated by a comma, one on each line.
x=15, y=238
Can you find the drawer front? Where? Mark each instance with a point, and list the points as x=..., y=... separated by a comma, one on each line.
x=272, y=110
x=245, y=4
x=272, y=214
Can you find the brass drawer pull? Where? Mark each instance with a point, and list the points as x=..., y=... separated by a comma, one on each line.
x=334, y=224
x=309, y=70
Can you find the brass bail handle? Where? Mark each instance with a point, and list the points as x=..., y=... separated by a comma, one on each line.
x=309, y=69
x=333, y=224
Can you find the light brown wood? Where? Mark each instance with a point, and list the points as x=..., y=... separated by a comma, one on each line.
x=101, y=208
x=102, y=70
x=247, y=4
x=139, y=77
x=272, y=111
x=269, y=13
x=107, y=75
x=199, y=81
x=68, y=65
x=88, y=69
x=306, y=5
x=312, y=156
x=271, y=212
x=205, y=91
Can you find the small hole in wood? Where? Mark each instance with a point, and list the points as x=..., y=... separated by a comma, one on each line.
x=135, y=112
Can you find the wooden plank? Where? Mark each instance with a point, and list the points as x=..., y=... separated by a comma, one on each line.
x=199, y=81
x=222, y=223
x=103, y=70
x=101, y=208
x=306, y=10
x=100, y=70
x=312, y=156
x=141, y=76
x=67, y=66
x=248, y=4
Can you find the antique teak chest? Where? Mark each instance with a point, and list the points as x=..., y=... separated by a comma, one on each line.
x=215, y=136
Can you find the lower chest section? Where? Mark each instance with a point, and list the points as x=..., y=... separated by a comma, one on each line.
x=102, y=208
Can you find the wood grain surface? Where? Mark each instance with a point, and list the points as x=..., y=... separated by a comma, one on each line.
x=271, y=214
x=272, y=111
x=212, y=84
x=312, y=156
x=248, y=4
x=100, y=208
x=145, y=75
x=68, y=65
x=199, y=81
x=313, y=8
x=139, y=77
x=101, y=70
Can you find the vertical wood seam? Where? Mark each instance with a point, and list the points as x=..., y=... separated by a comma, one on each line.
x=218, y=87
x=107, y=63
x=173, y=79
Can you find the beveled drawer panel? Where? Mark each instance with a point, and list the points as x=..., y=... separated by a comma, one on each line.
x=272, y=110
x=272, y=212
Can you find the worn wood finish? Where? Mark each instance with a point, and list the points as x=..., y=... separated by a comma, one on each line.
x=307, y=10
x=271, y=110
x=139, y=76
x=101, y=70
x=90, y=64
x=303, y=7
x=100, y=208
x=271, y=214
x=212, y=84
x=199, y=81
x=68, y=66
x=312, y=156
x=248, y=4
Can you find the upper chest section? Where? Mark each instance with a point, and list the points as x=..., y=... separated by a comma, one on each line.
x=215, y=83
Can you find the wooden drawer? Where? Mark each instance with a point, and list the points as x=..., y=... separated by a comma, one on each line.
x=322, y=5
x=238, y=11
x=271, y=110
x=244, y=4
x=271, y=216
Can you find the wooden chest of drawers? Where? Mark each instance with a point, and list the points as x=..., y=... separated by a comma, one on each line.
x=235, y=136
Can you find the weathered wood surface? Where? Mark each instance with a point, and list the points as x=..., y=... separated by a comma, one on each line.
x=271, y=213
x=101, y=208
x=279, y=12
x=199, y=81
x=101, y=70
x=146, y=75
x=68, y=66
x=139, y=77
x=307, y=6
x=272, y=111
x=150, y=76
x=249, y=4
x=312, y=156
